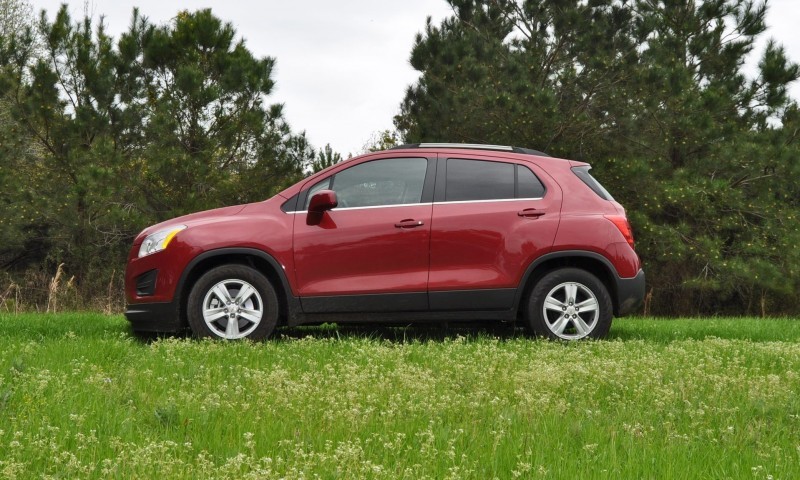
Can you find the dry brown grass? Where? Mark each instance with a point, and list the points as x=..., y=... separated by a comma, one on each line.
x=37, y=290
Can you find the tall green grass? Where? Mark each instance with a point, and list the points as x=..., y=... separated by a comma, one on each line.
x=80, y=397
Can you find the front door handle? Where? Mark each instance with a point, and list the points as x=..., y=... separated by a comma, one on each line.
x=409, y=223
x=530, y=213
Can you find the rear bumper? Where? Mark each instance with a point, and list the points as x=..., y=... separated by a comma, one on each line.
x=154, y=317
x=630, y=294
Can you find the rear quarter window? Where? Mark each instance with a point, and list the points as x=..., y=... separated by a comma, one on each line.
x=591, y=182
x=528, y=184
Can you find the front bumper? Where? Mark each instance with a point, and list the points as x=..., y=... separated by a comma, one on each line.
x=154, y=317
x=630, y=294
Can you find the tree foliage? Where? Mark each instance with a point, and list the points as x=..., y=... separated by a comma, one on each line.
x=101, y=137
x=15, y=17
x=653, y=93
x=325, y=158
x=381, y=140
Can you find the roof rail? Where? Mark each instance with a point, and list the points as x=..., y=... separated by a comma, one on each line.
x=473, y=146
x=476, y=146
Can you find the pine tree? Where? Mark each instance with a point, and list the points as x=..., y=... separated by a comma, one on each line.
x=325, y=158
x=208, y=126
x=538, y=74
x=654, y=95
x=119, y=135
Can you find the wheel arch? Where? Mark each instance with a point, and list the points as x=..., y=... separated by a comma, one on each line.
x=592, y=262
x=259, y=260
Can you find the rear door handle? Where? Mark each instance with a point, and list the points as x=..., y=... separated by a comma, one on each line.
x=409, y=223
x=530, y=213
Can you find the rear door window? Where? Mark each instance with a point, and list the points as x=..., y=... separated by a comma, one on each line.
x=478, y=180
x=475, y=180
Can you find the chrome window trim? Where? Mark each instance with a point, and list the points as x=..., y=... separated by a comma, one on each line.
x=485, y=201
x=427, y=203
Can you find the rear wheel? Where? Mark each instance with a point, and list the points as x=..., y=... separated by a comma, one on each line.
x=233, y=302
x=569, y=304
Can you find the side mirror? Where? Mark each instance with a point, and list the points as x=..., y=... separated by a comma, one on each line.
x=322, y=201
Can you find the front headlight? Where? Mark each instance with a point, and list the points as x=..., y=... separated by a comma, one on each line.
x=155, y=242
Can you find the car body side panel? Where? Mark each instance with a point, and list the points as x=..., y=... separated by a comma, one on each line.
x=585, y=227
x=487, y=244
x=597, y=234
x=261, y=226
x=361, y=251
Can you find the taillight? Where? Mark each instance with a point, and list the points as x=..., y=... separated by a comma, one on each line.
x=624, y=227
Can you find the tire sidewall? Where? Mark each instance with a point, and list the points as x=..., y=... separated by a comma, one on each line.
x=194, y=305
x=542, y=288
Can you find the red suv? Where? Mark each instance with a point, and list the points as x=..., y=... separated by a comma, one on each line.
x=418, y=232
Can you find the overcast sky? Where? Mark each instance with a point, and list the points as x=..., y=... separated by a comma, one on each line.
x=342, y=66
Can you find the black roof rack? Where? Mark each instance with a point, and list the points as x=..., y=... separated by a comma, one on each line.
x=473, y=146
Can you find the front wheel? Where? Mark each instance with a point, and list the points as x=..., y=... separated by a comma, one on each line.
x=233, y=302
x=569, y=304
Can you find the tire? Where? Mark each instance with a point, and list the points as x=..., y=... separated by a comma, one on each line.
x=216, y=298
x=569, y=304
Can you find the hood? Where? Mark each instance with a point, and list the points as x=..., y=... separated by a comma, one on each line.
x=193, y=219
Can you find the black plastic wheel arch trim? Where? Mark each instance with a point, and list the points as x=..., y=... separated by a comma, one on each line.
x=625, y=290
x=291, y=301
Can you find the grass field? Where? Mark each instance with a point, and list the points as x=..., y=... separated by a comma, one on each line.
x=712, y=398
